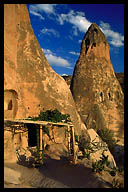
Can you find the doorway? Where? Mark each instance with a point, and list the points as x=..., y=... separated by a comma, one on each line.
x=32, y=135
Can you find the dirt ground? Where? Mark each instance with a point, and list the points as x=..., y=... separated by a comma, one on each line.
x=60, y=174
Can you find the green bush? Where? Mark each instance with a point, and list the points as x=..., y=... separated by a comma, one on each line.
x=99, y=166
x=117, y=184
x=113, y=172
x=108, y=137
x=86, y=154
x=53, y=116
x=46, y=130
x=85, y=147
x=76, y=138
x=121, y=169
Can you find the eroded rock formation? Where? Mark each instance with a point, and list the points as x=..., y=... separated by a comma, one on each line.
x=95, y=88
x=68, y=79
x=120, y=77
x=30, y=83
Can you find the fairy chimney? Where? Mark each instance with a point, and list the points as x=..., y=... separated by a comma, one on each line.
x=94, y=86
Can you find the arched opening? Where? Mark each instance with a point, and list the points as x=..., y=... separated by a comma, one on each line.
x=10, y=104
x=95, y=30
x=109, y=95
x=93, y=45
x=101, y=96
x=87, y=43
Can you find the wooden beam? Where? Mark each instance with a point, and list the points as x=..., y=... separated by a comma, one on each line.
x=73, y=144
x=69, y=145
x=38, y=122
x=40, y=143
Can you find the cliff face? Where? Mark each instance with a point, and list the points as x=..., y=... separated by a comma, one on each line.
x=95, y=88
x=120, y=77
x=30, y=84
x=68, y=79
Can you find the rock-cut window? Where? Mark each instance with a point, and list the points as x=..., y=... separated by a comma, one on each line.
x=87, y=43
x=96, y=30
x=93, y=45
x=109, y=95
x=10, y=105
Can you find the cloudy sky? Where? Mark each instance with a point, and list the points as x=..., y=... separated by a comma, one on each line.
x=60, y=28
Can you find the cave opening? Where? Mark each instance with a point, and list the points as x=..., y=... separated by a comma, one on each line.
x=10, y=104
x=32, y=134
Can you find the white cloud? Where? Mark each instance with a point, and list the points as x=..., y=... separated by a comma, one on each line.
x=74, y=53
x=64, y=74
x=49, y=32
x=75, y=32
x=56, y=60
x=36, y=14
x=116, y=39
x=47, y=8
x=104, y=25
x=47, y=51
x=116, y=43
x=78, y=20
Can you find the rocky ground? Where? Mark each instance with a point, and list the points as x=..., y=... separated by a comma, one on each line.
x=60, y=174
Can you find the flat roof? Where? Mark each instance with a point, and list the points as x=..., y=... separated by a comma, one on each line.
x=37, y=122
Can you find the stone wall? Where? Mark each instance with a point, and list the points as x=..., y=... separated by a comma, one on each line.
x=12, y=142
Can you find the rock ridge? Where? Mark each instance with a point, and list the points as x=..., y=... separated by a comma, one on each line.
x=30, y=83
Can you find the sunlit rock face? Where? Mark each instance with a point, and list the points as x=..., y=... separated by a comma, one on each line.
x=30, y=84
x=94, y=86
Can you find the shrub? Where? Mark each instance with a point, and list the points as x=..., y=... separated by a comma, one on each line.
x=121, y=169
x=85, y=147
x=113, y=172
x=53, y=116
x=99, y=166
x=108, y=137
x=46, y=130
x=76, y=138
x=117, y=184
x=86, y=154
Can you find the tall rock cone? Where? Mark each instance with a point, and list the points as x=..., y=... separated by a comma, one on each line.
x=30, y=84
x=95, y=88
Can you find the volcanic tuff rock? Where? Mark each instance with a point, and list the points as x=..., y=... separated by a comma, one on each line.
x=68, y=79
x=95, y=88
x=30, y=83
x=119, y=76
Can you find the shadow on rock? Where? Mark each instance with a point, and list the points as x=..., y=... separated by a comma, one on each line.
x=74, y=176
x=118, y=154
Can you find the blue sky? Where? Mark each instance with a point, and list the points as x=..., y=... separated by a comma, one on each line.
x=60, y=28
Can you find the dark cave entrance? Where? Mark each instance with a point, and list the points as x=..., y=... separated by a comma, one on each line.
x=32, y=134
x=10, y=105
